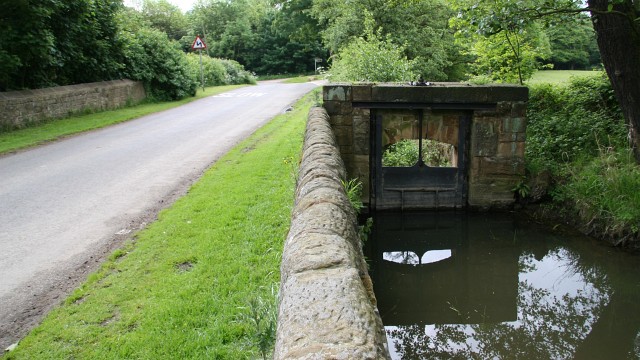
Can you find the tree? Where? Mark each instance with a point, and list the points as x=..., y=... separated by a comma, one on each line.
x=617, y=27
x=420, y=27
x=47, y=43
x=371, y=58
x=165, y=17
x=573, y=44
x=151, y=57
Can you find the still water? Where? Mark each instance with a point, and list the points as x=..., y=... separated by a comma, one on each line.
x=492, y=286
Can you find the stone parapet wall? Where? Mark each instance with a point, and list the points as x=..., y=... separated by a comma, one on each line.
x=327, y=309
x=496, y=135
x=19, y=109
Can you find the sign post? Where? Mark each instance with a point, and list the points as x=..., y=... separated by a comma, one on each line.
x=315, y=64
x=198, y=44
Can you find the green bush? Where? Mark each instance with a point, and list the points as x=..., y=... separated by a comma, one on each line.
x=372, y=58
x=236, y=74
x=152, y=58
x=214, y=72
x=606, y=192
x=404, y=153
x=578, y=133
x=566, y=123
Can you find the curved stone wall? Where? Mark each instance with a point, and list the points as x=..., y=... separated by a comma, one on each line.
x=327, y=309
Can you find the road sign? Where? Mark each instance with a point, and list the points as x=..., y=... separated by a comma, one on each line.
x=198, y=44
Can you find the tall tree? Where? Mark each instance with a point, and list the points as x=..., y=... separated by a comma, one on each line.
x=419, y=26
x=165, y=17
x=617, y=27
x=573, y=44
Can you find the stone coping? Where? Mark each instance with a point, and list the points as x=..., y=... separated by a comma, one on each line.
x=327, y=309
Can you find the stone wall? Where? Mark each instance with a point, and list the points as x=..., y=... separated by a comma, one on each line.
x=497, y=133
x=23, y=108
x=327, y=309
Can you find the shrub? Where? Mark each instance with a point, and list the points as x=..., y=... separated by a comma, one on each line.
x=372, y=58
x=214, y=72
x=605, y=192
x=152, y=58
x=404, y=153
x=569, y=122
x=236, y=74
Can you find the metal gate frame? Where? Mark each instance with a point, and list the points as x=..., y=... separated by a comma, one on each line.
x=419, y=186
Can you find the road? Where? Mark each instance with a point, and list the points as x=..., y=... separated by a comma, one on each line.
x=66, y=205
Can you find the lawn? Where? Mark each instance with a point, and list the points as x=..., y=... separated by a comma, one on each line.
x=185, y=287
x=55, y=129
x=559, y=76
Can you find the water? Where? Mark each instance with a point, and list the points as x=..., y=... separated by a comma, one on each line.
x=492, y=286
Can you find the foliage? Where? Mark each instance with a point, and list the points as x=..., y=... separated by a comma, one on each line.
x=506, y=50
x=214, y=72
x=606, y=192
x=372, y=58
x=236, y=74
x=566, y=123
x=404, y=153
x=578, y=133
x=55, y=42
x=166, y=17
x=420, y=26
x=262, y=314
x=353, y=188
x=160, y=63
x=573, y=44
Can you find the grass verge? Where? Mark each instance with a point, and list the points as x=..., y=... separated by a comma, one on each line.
x=185, y=287
x=55, y=129
x=559, y=76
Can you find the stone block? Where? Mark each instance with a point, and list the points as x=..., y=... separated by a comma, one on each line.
x=341, y=120
x=514, y=124
x=484, y=138
x=511, y=149
x=493, y=167
x=337, y=92
x=362, y=92
x=338, y=107
x=519, y=109
x=344, y=135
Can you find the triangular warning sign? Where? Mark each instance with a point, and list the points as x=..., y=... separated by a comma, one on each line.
x=198, y=44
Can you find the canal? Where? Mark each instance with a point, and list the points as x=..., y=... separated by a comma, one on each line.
x=496, y=286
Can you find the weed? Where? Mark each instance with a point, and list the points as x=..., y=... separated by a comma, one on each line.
x=353, y=189
x=262, y=314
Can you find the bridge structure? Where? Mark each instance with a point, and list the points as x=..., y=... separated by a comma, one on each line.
x=468, y=141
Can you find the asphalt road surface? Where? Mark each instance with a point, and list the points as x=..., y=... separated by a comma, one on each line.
x=66, y=205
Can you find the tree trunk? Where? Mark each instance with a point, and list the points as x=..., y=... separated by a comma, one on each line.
x=618, y=34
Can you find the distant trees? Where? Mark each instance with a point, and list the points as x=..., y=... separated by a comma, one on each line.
x=419, y=27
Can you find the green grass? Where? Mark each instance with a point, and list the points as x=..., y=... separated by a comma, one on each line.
x=56, y=129
x=182, y=288
x=290, y=79
x=605, y=191
x=559, y=76
x=302, y=79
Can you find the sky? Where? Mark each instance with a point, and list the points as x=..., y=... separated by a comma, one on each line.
x=184, y=5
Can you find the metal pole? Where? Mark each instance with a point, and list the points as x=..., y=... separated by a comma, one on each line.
x=201, y=71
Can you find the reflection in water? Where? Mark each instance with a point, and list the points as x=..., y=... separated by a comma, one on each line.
x=491, y=287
